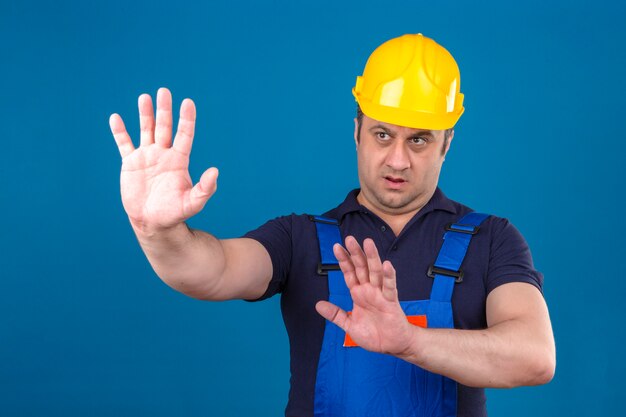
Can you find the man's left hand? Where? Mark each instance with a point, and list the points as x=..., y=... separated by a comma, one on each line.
x=377, y=322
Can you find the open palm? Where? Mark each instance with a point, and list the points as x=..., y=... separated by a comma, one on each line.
x=376, y=322
x=157, y=191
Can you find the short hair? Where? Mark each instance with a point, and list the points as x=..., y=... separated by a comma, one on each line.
x=359, y=120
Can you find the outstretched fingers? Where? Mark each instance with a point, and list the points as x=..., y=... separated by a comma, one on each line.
x=359, y=260
x=186, y=126
x=163, y=128
x=122, y=139
x=146, y=120
x=374, y=264
x=346, y=265
x=389, y=290
x=359, y=266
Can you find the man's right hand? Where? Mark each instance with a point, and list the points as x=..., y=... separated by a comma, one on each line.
x=157, y=191
x=158, y=196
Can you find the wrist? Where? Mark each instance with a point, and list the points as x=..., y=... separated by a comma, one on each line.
x=148, y=232
x=414, y=350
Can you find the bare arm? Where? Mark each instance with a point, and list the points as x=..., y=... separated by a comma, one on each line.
x=516, y=349
x=159, y=196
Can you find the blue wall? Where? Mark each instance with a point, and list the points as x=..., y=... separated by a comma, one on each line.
x=87, y=329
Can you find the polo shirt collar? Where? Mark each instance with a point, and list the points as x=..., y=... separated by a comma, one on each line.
x=438, y=201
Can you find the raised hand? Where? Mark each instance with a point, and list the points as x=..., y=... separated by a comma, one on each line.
x=377, y=322
x=157, y=191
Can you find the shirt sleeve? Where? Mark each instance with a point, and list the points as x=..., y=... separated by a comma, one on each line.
x=510, y=258
x=276, y=237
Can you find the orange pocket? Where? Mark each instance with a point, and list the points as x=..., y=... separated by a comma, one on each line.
x=420, y=321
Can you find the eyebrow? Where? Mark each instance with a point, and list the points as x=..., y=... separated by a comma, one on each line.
x=421, y=133
x=384, y=128
x=416, y=134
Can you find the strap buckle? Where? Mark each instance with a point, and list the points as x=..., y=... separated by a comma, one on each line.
x=320, y=219
x=462, y=228
x=322, y=269
x=457, y=275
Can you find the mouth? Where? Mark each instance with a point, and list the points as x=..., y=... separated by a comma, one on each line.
x=395, y=179
x=394, y=182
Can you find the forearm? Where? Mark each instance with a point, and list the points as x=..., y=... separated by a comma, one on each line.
x=204, y=267
x=189, y=261
x=506, y=355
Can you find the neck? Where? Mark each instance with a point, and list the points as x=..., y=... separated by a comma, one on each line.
x=396, y=220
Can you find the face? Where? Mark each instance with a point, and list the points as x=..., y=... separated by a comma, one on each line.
x=398, y=166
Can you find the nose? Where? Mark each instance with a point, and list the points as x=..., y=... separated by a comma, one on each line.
x=398, y=156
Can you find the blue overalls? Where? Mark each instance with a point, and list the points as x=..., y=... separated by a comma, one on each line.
x=353, y=382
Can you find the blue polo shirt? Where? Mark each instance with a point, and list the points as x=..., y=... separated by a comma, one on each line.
x=497, y=255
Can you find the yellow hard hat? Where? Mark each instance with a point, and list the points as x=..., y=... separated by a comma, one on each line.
x=411, y=81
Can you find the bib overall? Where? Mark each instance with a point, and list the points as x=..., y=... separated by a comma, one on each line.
x=353, y=382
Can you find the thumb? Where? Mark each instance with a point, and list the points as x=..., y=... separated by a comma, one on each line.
x=204, y=189
x=333, y=314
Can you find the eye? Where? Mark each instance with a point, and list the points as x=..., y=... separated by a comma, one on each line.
x=381, y=135
x=418, y=141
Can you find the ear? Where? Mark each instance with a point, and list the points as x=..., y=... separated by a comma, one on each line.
x=356, y=132
x=448, y=144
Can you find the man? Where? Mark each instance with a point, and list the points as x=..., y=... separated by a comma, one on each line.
x=398, y=329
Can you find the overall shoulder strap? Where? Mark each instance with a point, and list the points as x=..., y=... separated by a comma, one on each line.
x=447, y=268
x=328, y=234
